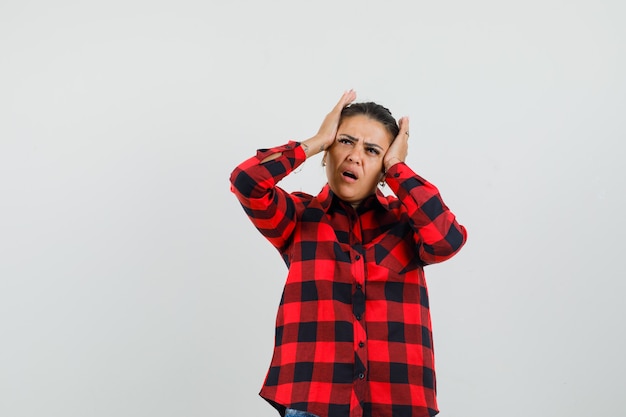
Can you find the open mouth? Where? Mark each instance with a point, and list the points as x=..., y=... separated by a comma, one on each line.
x=349, y=174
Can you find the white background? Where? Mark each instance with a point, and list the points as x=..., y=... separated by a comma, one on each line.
x=132, y=283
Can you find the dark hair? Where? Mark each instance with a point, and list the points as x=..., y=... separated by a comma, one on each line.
x=374, y=111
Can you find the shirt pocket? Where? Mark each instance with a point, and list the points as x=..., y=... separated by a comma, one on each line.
x=392, y=257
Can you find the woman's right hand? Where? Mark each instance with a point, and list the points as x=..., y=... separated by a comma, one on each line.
x=327, y=132
x=330, y=124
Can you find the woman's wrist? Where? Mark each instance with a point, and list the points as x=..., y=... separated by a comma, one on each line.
x=391, y=162
x=313, y=146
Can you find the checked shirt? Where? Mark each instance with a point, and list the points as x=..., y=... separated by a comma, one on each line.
x=353, y=329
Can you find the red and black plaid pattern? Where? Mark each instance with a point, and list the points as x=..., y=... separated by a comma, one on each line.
x=353, y=329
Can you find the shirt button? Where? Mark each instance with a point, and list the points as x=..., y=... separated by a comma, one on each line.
x=361, y=344
x=357, y=257
x=358, y=317
x=358, y=286
x=361, y=375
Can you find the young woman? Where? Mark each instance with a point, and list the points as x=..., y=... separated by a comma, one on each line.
x=353, y=330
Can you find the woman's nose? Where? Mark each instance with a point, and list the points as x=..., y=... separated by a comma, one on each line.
x=354, y=157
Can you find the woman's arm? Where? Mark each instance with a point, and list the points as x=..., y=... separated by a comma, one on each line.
x=438, y=235
x=254, y=181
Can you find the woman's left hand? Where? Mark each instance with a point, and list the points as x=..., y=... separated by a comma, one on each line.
x=399, y=149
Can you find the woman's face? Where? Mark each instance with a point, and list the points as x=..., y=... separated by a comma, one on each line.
x=354, y=162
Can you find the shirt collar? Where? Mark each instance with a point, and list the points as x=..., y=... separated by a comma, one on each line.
x=328, y=200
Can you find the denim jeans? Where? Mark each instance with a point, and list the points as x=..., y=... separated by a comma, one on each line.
x=290, y=412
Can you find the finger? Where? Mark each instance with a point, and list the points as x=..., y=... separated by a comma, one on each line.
x=350, y=96
x=346, y=98
x=404, y=127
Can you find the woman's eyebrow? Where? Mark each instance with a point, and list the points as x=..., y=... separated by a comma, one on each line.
x=349, y=137
x=373, y=145
x=365, y=143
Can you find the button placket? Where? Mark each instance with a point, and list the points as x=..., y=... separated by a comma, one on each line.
x=358, y=307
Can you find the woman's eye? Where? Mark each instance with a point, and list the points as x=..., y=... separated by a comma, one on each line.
x=343, y=140
x=373, y=151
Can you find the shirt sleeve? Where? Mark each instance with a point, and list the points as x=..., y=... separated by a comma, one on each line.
x=270, y=208
x=438, y=234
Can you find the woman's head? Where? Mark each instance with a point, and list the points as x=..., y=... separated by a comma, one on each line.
x=354, y=162
x=374, y=111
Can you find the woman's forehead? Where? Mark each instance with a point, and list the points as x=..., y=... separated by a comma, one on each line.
x=361, y=127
